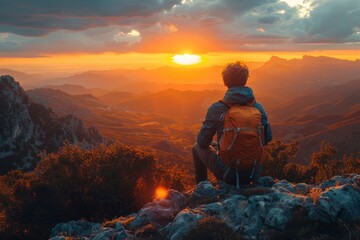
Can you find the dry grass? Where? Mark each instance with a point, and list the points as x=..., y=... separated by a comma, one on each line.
x=314, y=193
x=125, y=221
x=211, y=228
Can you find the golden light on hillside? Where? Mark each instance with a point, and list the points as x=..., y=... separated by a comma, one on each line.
x=161, y=193
x=186, y=59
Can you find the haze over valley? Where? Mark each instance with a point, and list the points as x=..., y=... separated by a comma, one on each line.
x=309, y=100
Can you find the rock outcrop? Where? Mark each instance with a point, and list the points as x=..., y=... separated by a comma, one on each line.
x=27, y=128
x=253, y=213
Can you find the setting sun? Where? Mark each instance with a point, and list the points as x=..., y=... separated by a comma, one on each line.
x=186, y=59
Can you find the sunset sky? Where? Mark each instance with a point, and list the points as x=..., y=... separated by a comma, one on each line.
x=70, y=36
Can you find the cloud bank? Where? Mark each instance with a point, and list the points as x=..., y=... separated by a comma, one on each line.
x=41, y=27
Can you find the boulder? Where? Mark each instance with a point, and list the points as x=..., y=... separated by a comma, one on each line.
x=76, y=229
x=266, y=181
x=284, y=186
x=160, y=211
x=254, y=212
x=302, y=188
x=342, y=201
x=340, y=180
x=277, y=218
x=233, y=210
x=183, y=223
x=205, y=189
x=105, y=234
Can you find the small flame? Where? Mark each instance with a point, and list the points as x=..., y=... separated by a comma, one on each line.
x=161, y=193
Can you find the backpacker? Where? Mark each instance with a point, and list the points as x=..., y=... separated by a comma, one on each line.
x=241, y=145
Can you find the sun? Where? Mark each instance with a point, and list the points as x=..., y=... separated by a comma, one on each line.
x=186, y=59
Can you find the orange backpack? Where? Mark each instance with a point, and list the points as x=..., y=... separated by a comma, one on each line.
x=241, y=145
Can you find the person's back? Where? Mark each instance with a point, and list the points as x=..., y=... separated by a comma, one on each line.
x=205, y=156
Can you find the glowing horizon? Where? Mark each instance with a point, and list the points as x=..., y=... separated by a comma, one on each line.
x=186, y=59
x=67, y=64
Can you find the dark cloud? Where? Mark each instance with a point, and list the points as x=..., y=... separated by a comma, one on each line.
x=269, y=19
x=334, y=20
x=210, y=20
x=38, y=17
x=54, y=26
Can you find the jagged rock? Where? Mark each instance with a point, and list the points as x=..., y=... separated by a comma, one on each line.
x=212, y=209
x=342, y=202
x=289, y=200
x=160, y=211
x=183, y=223
x=123, y=235
x=119, y=227
x=76, y=229
x=277, y=218
x=302, y=188
x=266, y=181
x=255, y=213
x=340, y=180
x=205, y=189
x=233, y=210
x=252, y=215
x=284, y=186
x=106, y=234
x=26, y=128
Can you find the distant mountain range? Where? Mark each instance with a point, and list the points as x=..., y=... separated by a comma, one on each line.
x=328, y=114
x=276, y=81
x=27, y=128
x=64, y=103
x=310, y=100
x=339, y=99
x=287, y=79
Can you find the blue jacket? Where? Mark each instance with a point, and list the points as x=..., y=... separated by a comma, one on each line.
x=213, y=123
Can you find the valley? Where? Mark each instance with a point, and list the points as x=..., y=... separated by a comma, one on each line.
x=164, y=118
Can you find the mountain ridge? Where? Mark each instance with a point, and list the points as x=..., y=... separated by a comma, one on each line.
x=27, y=128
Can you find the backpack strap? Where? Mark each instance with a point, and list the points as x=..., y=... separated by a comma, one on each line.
x=225, y=103
x=251, y=102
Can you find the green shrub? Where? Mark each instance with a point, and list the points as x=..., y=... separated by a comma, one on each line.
x=96, y=184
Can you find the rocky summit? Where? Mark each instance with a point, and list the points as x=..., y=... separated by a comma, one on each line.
x=267, y=211
x=27, y=128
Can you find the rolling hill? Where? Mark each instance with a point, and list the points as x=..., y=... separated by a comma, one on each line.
x=339, y=99
x=64, y=104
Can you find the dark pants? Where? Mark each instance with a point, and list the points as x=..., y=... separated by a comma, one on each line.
x=206, y=158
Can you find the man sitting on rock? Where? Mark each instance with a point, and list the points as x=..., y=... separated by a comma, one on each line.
x=242, y=129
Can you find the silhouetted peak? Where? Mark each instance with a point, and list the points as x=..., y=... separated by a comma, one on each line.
x=277, y=59
x=8, y=82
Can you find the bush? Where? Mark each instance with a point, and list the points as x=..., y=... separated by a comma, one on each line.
x=323, y=164
x=279, y=154
x=96, y=184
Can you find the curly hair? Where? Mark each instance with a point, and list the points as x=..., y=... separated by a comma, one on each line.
x=235, y=74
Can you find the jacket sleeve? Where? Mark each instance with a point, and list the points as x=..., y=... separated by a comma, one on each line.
x=208, y=129
x=264, y=122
